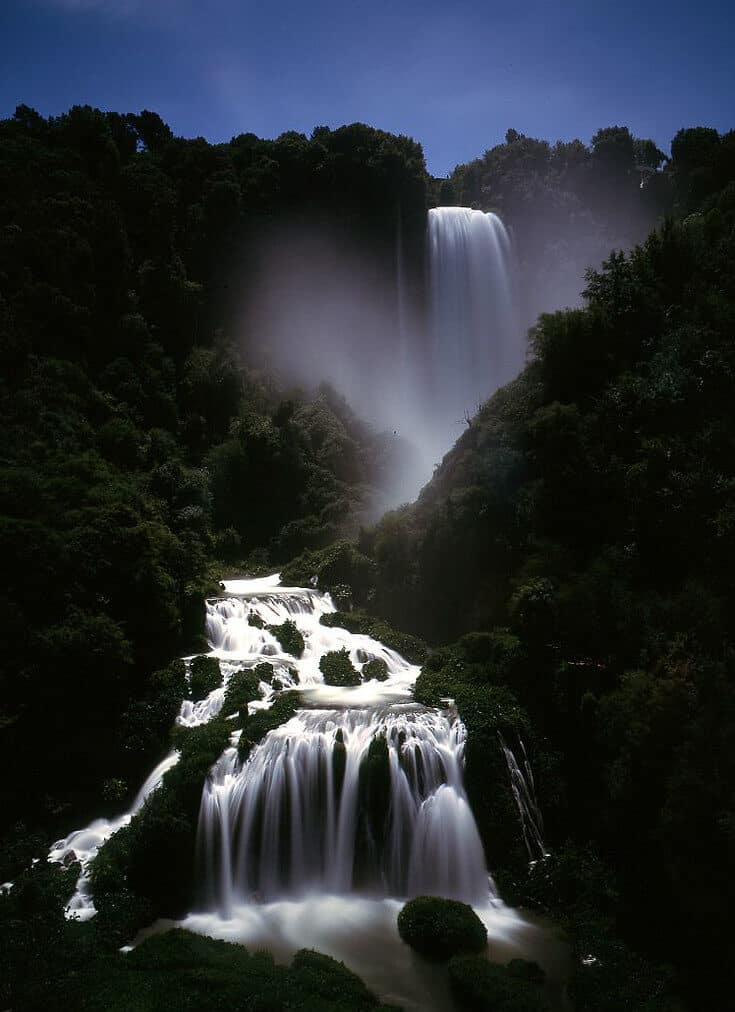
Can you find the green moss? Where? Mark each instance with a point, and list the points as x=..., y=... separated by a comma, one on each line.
x=478, y=985
x=410, y=647
x=327, y=981
x=258, y=724
x=242, y=689
x=256, y=621
x=189, y=973
x=264, y=672
x=374, y=788
x=205, y=676
x=291, y=640
x=439, y=928
x=338, y=669
x=375, y=669
x=145, y=869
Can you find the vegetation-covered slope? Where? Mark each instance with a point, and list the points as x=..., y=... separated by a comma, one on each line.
x=589, y=509
x=136, y=447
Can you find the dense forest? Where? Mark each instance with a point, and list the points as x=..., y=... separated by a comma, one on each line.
x=571, y=556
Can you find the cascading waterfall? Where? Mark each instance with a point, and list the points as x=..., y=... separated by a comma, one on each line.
x=363, y=794
x=475, y=341
x=524, y=792
x=337, y=816
x=307, y=812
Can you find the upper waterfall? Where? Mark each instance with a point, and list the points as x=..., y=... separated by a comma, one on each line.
x=474, y=339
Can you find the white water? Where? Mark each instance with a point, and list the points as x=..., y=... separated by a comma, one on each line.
x=82, y=845
x=288, y=822
x=524, y=792
x=475, y=340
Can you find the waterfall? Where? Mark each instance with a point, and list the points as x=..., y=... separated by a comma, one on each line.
x=358, y=797
x=307, y=812
x=524, y=792
x=337, y=816
x=362, y=791
x=475, y=344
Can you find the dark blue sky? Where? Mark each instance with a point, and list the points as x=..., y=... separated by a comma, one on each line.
x=453, y=74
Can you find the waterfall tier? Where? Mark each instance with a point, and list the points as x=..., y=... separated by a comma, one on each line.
x=475, y=344
x=342, y=800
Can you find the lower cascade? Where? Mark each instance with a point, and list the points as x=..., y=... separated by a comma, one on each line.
x=338, y=801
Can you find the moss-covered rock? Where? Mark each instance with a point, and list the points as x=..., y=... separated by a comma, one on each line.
x=255, y=620
x=375, y=669
x=480, y=986
x=186, y=972
x=242, y=688
x=325, y=980
x=439, y=928
x=338, y=669
x=205, y=676
x=264, y=672
x=145, y=869
x=291, y=640
x=257, y=725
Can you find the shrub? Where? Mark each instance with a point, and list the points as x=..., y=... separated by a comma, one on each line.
x=376, y=668
x=325, y=979
x=478, y=985
x=242, y=689
x=264, y=672
x=291, y=640
x=340, y=567
x=338, y=669
x=258, y=724
x=439, y=928
x=256, y=621
x=205, y=676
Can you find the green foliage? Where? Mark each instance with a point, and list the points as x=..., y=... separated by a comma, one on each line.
x=375, y=669
x=587, y=510
x=243, y=688
x=136, y=445
x=258, y=724
x=205, y=676
x=440, y=929
x=144, y=870
x=291, y=640
x=341, y=567
x=479, y=986
x=181, y=970
x=338, y=669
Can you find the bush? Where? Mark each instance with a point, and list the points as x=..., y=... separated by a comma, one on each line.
x=479, y=986
x=338, y=669
x=439, y=928
x=256, y=621
x=205, y=676
x=340, y=568
x=242, y=689
x=376, y=668
x=291, y=640
x=327, y=980
x=264, y=672
x=258, y=724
